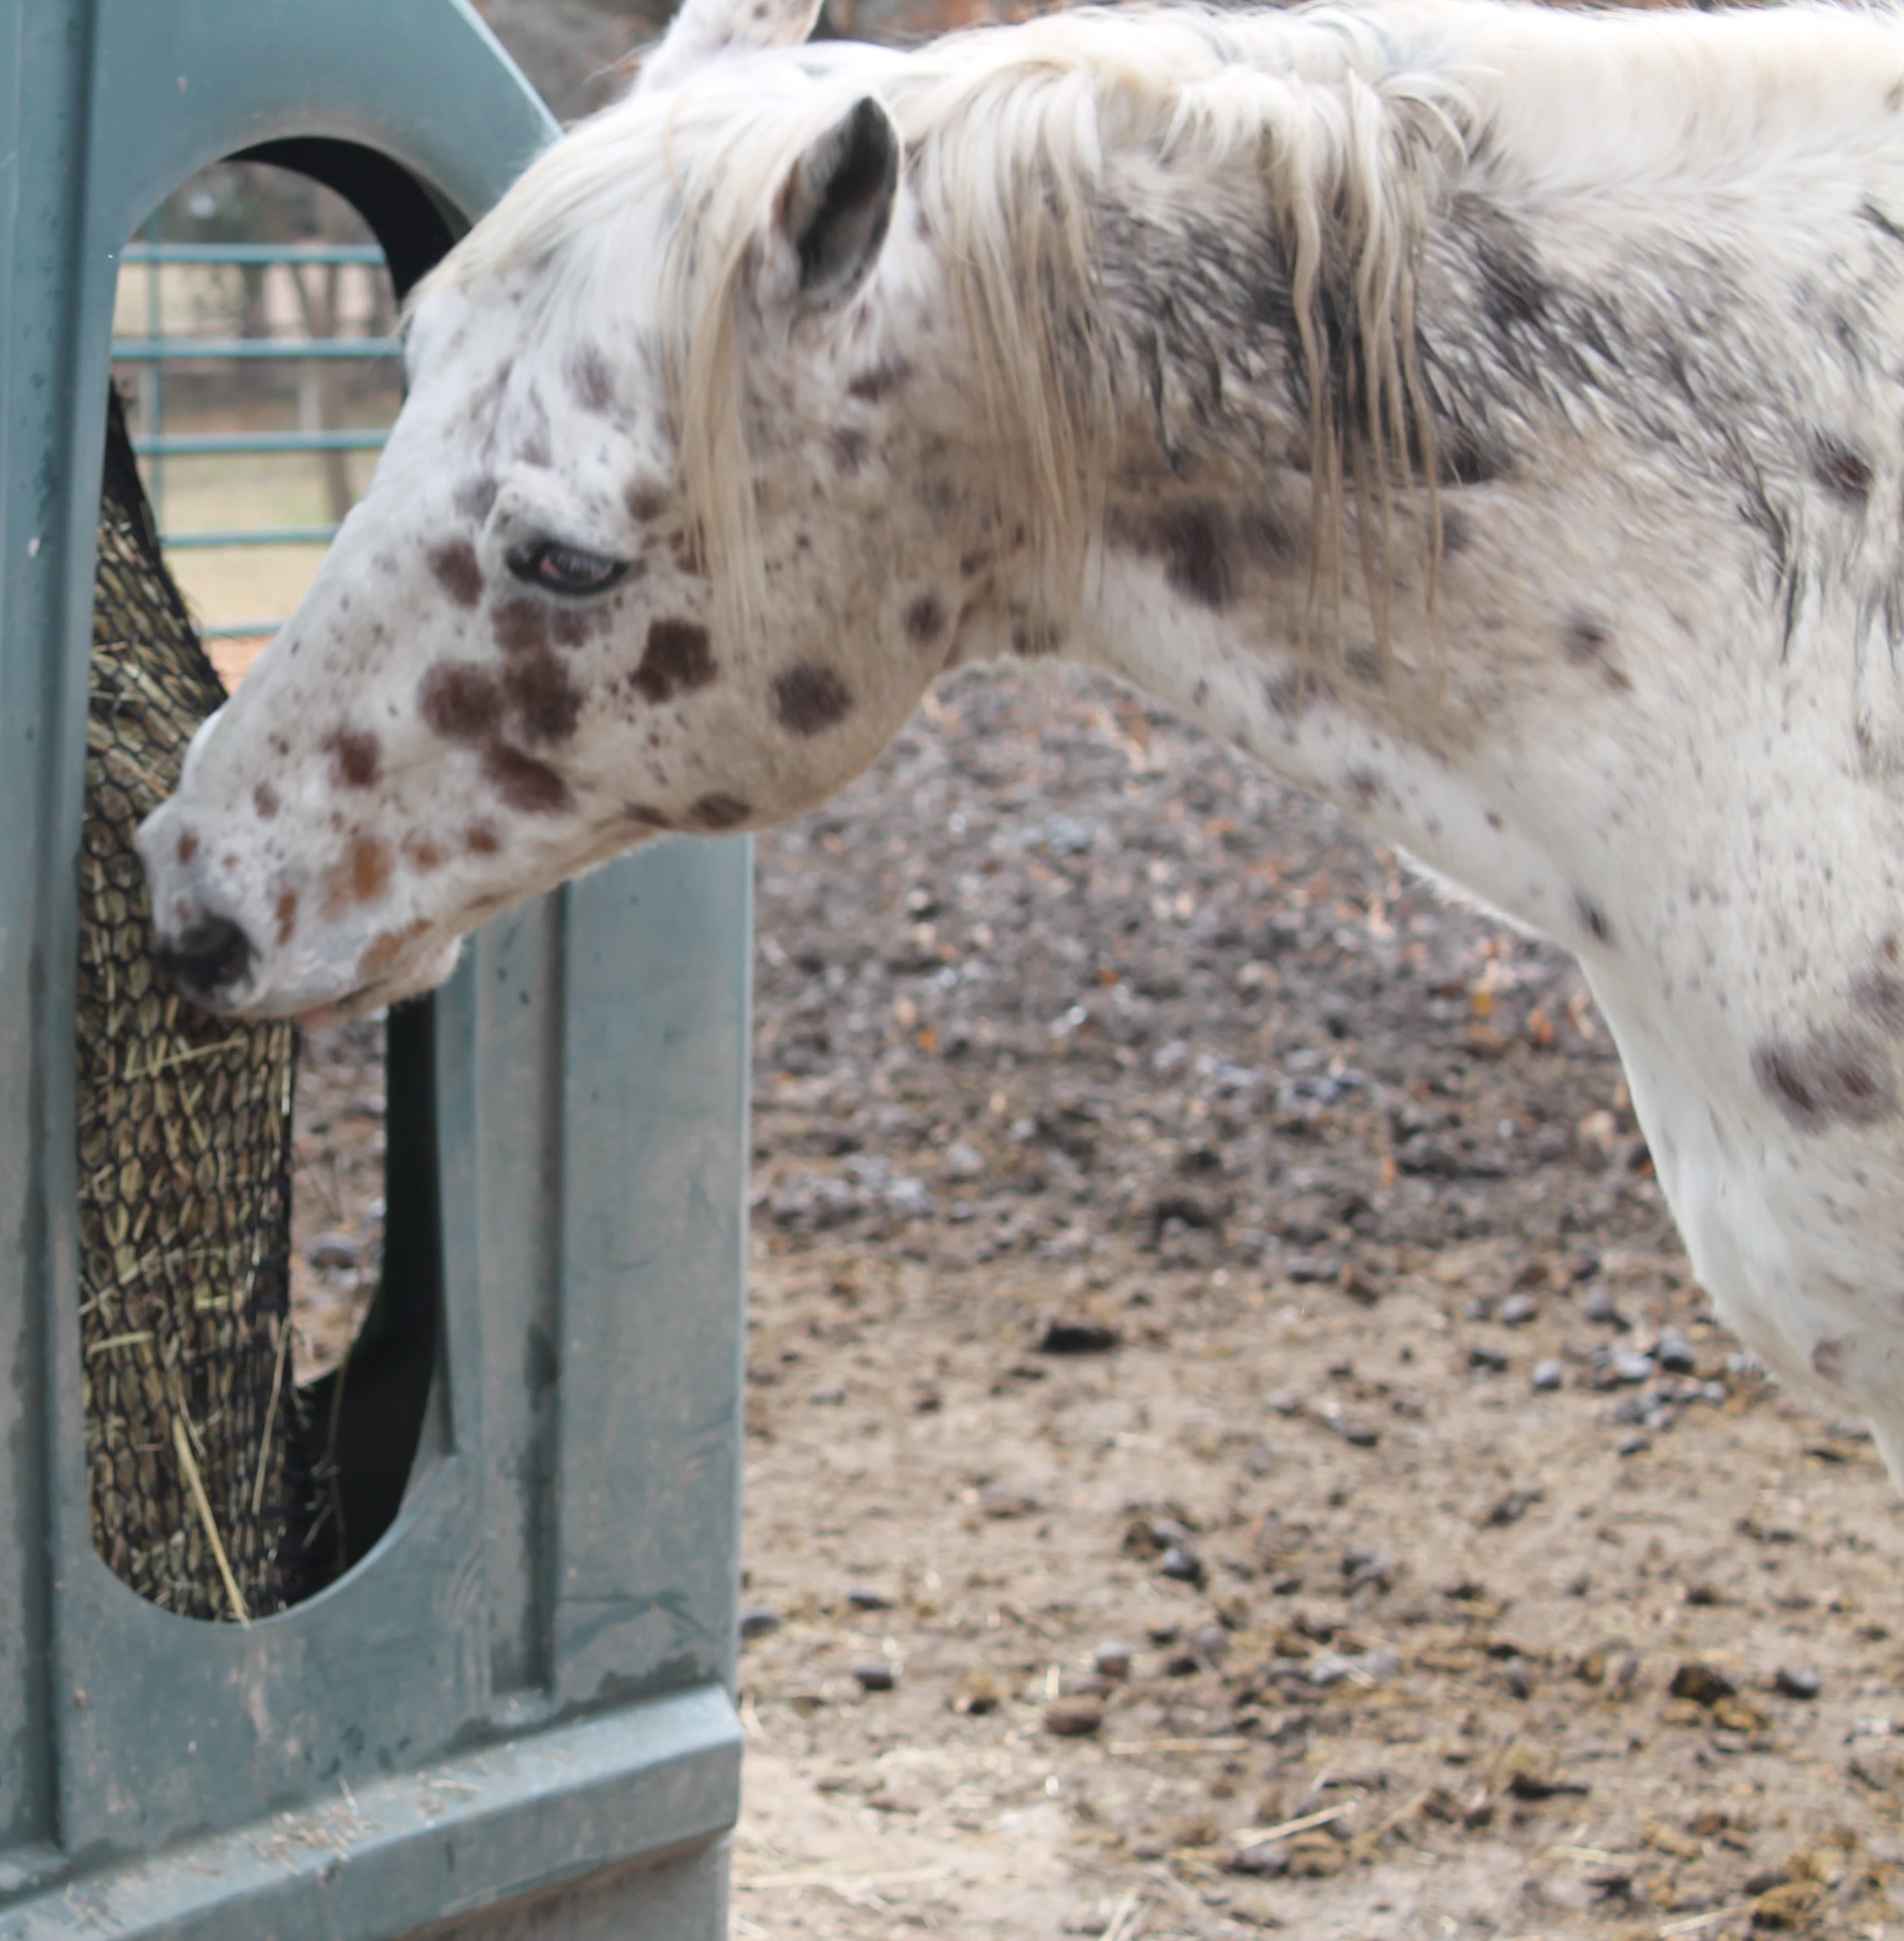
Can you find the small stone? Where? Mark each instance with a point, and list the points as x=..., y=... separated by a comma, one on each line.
x=1705, y=1684
x=1632, y=1368
x=1166, y=1532
x=1517, y=1311
x=963, y=1160
x=875, y=1674
x=1112, y=1659
x=1161, y=1634
x=1074, y=1718
x=1360, y=1566
x=1264, y=1861
x=1789, y=1906
x=1364, y=1668
x=1737, y=1715
x=1075, y=1336
x=1284, y=1402
x=1185, y=1566
x=1355, y=1431
x=1484, y=1355
x=1213, y=1644
x=1086, y=1685
x=1512, y=1507
x=1793, y=1681
x=759, y=1620
x=1633, y=1445
x=1673, y=1352
x=863, y=1598
x=334, y=1250
x=1548, y=1376
x=1597, y=1305
x=977, y=1693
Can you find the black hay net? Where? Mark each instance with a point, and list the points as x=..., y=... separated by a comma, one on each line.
x=199, y=1493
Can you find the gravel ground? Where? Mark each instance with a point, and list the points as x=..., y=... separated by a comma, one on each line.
x=1220, y=1359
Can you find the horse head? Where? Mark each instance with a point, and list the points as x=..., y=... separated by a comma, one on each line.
x=632, y=560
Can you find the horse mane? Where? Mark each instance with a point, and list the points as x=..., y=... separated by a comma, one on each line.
x=1356, y=122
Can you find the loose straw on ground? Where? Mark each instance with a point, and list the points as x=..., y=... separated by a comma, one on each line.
x=1255, y=1836
x=188, y=1463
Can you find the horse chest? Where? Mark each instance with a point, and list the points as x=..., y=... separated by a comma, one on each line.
x=1798, y=1238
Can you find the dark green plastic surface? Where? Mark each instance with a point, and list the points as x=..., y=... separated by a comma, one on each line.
x=528, y=1680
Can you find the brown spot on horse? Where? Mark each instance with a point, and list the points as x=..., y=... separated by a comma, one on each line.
x=677, y=660
x=422, y=854
x=286, y=913
x=266, y=800
x=645, y=501
x=1584, y=637
x=716, y=812
x=457, y=573
x=370, y=868
x=1838, y=1075
x=356, y=757
x=188, y=845
x=1592, y=918
x=523, y=783
x=924, y=620
x=460, y=701
x=590, y=382
x=1844, y=471
x=869, y=386
x=1193, y=542
x=810, y=698
x=1878, y=996
x=544, y=703
x=522, y=625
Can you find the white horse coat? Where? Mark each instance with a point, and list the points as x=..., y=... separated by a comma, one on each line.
x=1493, y=419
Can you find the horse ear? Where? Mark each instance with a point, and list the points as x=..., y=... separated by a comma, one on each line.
x=831, y=216
x=704, y=29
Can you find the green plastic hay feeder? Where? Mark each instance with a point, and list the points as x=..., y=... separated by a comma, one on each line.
x=514, y=1715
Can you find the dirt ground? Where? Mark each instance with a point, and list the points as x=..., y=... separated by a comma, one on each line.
x=1182, y=1240
x=1220, y=1363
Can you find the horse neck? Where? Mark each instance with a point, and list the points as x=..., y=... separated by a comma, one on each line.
x=1661, y=542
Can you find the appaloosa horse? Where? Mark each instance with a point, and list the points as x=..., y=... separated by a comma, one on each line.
x=1493, y=419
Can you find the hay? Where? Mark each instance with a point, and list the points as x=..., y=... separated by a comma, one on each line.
x=184, y=1120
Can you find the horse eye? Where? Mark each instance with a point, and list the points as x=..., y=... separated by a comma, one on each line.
x=567, y=570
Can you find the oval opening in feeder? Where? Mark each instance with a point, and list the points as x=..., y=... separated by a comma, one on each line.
x=260, y=1278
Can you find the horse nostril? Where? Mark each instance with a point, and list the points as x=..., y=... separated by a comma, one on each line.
x=211, y=955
